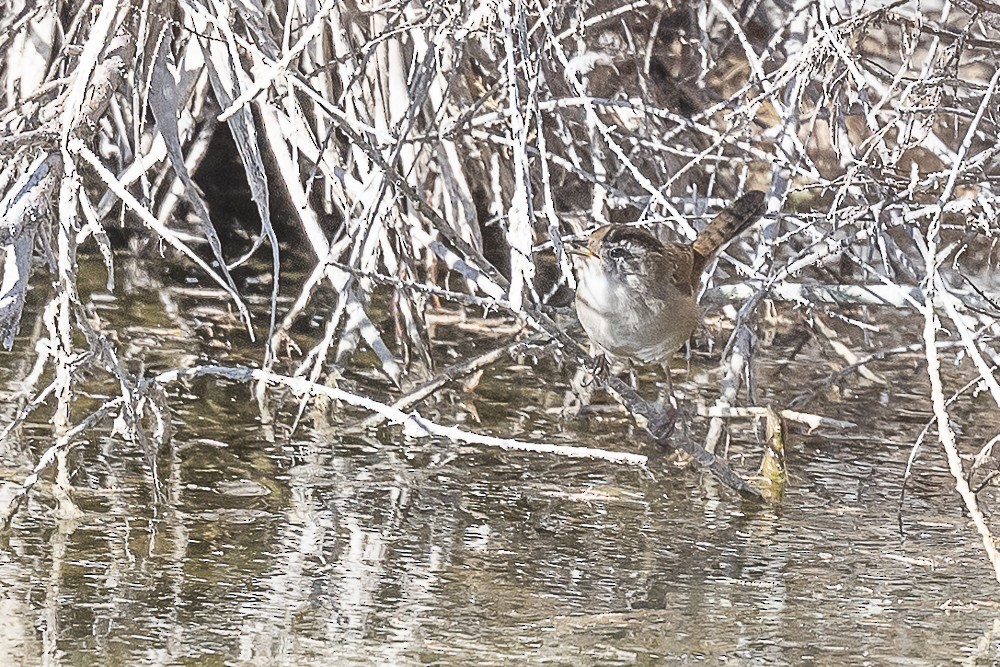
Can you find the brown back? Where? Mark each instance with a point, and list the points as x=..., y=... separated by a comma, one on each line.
x=727, y=225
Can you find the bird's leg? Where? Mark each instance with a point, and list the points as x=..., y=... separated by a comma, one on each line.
x=601, y=368
x=669, y=399
x=667, y=396
x=668, y=403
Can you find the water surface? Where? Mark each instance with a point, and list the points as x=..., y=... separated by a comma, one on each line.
x=319, y=548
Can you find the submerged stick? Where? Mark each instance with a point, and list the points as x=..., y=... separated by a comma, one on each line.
x=659, y=423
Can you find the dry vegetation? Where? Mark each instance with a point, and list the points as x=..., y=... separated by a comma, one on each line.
x=442, y=150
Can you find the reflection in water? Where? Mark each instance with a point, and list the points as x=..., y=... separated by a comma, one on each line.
x=376, y=549
x=380, y=556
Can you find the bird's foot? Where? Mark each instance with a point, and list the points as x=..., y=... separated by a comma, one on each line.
x=600, y=368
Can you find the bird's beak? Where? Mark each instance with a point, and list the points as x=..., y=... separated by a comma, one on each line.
x=579, y=247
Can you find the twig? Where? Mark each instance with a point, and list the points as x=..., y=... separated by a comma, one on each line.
x=50, y=455
x=947, y=437
x=844, y=351
x=741, y=344
x=897, y=296
x=810, y=420
x=659, y=423
x=449, y=374
x=945, y=433
x=413, y=424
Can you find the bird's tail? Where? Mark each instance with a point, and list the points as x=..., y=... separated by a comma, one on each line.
x=730, y=223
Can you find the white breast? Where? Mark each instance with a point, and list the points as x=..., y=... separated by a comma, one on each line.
x=623, y=324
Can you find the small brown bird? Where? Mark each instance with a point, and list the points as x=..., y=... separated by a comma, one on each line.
x=636, y=296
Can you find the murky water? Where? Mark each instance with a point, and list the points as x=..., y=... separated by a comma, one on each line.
x=318, y=549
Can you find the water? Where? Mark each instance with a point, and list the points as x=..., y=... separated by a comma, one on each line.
x=314, y=548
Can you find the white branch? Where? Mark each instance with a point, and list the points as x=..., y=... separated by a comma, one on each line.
x=413, y=424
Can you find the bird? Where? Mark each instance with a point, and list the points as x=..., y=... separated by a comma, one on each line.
x=636, y=296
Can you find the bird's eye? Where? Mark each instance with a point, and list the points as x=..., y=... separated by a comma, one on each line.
x=618, y=252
